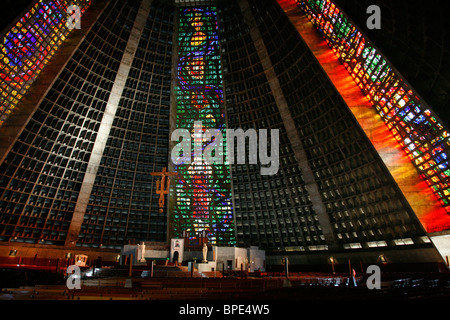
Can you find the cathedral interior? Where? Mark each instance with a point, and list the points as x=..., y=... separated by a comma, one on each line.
x=92, y=90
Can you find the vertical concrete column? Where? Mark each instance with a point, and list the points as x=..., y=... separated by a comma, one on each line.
x=289, y=124
x=107, y=120
x=172, y=197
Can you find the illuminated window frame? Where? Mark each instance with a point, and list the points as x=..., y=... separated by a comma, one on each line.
x=203, y=191
x=411, y=121
x=28, y=46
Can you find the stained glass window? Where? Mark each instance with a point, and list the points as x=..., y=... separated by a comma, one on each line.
x=203, y=192
x=423, y=137
x=28, y=46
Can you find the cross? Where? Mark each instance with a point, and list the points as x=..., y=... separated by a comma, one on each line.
x=162, y=187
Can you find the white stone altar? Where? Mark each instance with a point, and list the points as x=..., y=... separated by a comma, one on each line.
x=216, y=258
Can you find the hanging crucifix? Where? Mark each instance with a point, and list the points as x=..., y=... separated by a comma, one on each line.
x=163, y=185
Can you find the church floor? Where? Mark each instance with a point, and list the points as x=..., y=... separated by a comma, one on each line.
x=301, y=287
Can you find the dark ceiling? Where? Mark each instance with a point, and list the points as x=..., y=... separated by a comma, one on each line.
x=10, y=10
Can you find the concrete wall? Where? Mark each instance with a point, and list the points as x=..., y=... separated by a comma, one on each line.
x=442, y=244
x=257, y=259
x=231, y=258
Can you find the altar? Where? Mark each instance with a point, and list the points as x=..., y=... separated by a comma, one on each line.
x=205, y=259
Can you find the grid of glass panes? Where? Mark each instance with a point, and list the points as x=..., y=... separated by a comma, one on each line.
x=123, y=206
x=362, y=200
x=413, y=124
x=274, y=212
x=203, y=192
x=41, y=176
x=28, y=46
